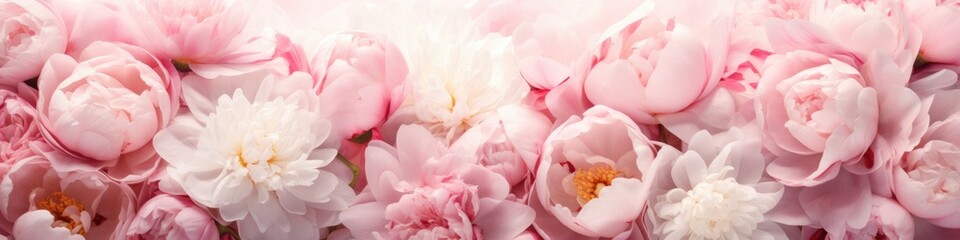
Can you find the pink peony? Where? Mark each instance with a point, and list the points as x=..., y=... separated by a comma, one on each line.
x=816, y=113
x=41, y=203
x=662, y=63
x=846, y=33
x=507, y=143
x=926, y=181
x=850, y=31
x=31, y=33
x=206, y=35
x=936, y=19
x=420, y=190
x=360, y=76
x=888, y=220
x=552, y=45
x=17, y=126
x=594, y=175
x=172, y=217
x=103, y=108
x=110, y=20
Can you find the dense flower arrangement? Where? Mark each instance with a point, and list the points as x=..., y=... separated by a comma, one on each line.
x=479, y=119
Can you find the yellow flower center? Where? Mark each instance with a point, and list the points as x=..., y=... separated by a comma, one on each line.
x=57, y=206
x=590, y=181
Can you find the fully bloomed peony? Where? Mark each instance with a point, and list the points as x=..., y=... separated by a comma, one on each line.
x=31, y=33
x=254, y=147
x=817, y=115
x=205, y=35
x=661, y=63
x=421, y=190
x=594, y=176
x=102, y=108
x=840, y=43
x=551, y=47
x=172, y=217
x=18, y=130
x=715, y=190
x=40, y=203
x=926, y=181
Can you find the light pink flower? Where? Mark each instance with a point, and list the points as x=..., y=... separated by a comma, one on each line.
x=17, y=126
x=850, y=31
x=935, y=19
x=749, y=47
x=39, y=201
x=594, y=174
x=360, y=76
x=31, y=33
x=817, y=114
x=662, y=63
x=208, y=35
x=715, y=189
x=927, y=180
x=172, y=217
x=420, y=190
x=888, y=220
x=552, y=45
x=89, y=21
x=103, y=108
x=507, y=143
x=503, y=16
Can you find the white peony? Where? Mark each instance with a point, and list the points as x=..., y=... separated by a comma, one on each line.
x=255, y=148
x=714, y=190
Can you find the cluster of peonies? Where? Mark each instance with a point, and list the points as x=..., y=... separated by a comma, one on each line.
x=491, y=119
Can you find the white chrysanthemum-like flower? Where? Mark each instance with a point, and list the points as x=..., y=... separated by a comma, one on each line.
x=261, y=158
x=716, y=208
x=715, y=190
x=461, y=80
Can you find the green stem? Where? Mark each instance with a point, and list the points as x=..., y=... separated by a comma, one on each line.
x=224, y=230
x=353, y=168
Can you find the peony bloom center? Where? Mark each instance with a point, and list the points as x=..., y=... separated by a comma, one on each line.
x=260, y=147
x=590, y=181
x=714, y=208
x=938, y=171
x=815, y=96
x=442, y=212
x=19, y=36
x=67, y=212
x=808, y=99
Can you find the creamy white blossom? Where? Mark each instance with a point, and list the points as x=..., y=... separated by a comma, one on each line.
x=715, y=190
x=261, y=159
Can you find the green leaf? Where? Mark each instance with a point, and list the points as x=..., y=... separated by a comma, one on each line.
x=363, y=137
